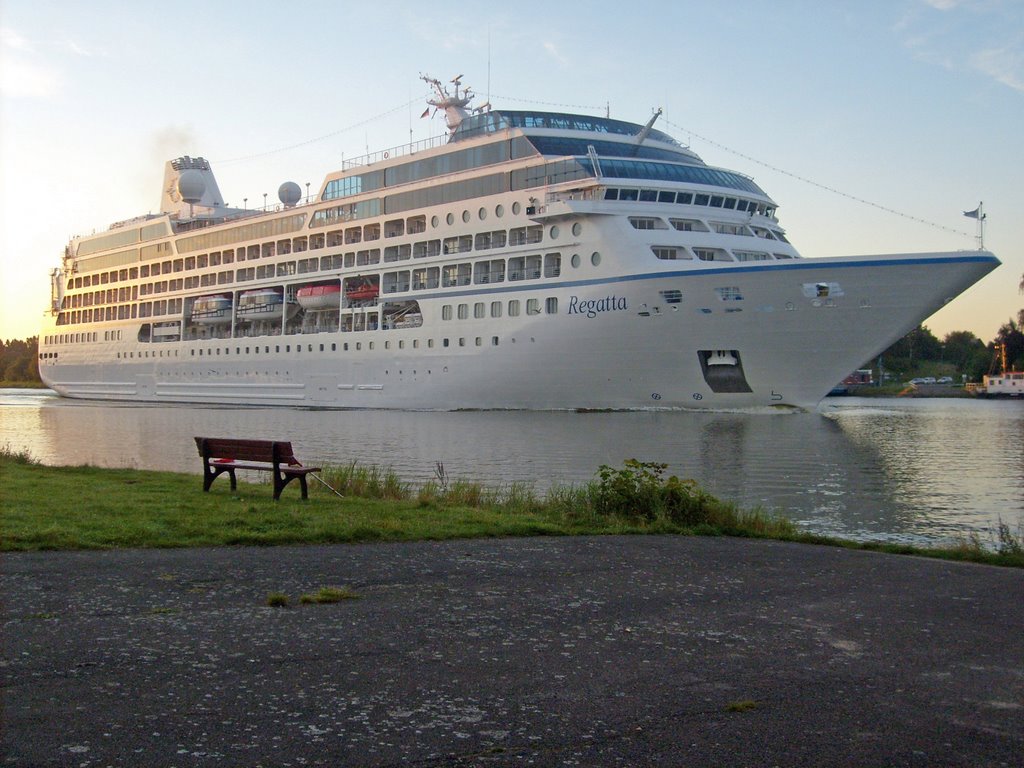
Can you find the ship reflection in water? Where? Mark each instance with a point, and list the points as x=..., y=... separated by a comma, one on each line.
x=919, y=471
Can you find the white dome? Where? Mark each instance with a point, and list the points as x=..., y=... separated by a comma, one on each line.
x=289, y=193
x=191, y=186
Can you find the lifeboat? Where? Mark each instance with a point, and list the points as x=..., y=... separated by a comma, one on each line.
x=212, y=309
x=362, y=291
x=263, y=304
x=314, y=297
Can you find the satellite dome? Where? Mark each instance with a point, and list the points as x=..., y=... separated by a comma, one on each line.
x=191, y=186
x=289, y=193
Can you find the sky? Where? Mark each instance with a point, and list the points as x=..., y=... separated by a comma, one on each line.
x=873, y=125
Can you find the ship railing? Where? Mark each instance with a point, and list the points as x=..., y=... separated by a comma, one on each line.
x=400, y=151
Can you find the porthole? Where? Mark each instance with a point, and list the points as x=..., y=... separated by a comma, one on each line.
x=577, y=228
x=575, y=261
x=482, y=213
x=465, y=217
x=434, y=221
x=553, y=232
x=516, y=208
x=499, y=211
x=595, y=258
x=450, y=218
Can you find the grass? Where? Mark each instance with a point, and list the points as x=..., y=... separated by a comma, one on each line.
x=328, y=595
x=84, y=507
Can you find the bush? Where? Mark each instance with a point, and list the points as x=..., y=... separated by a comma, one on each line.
x=638, y=492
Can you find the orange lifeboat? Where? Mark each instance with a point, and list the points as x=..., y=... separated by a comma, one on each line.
x=314, y=297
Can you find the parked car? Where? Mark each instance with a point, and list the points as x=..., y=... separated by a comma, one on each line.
x=944, y=380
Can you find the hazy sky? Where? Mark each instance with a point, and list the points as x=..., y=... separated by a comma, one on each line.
x=914, y=106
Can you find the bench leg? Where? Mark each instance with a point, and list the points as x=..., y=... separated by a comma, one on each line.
x=281, y=479
x=209, y=475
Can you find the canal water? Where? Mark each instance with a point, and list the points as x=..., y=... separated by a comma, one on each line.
x=897, y=469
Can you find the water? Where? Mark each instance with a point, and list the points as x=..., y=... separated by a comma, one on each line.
x=917, y=471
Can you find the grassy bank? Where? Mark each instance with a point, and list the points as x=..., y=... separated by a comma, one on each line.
x=64, y=508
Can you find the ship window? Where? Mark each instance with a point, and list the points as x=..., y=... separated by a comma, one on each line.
x=426, y=248
x=551, y=305
x=670, y=253
x=478, y=309
x=648, y=196
x=751, y=256
x=611, y=194
x=463, y=311
x=646, y=222
x=552, y=264
x=446, y=312
x=688, y=225
x=513, y=308
x=666, y=197
x=730, y=229
x=701, y=199
x=711, y=254
x=495, y=309
x=533, y=306
x=628, y=194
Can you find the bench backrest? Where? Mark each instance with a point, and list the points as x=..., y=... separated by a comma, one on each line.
x=269, y=451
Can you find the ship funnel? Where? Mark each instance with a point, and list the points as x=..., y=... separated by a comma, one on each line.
x=190, y=189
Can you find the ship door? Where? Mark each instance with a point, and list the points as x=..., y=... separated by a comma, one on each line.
x=145, y=385
x=323, y=390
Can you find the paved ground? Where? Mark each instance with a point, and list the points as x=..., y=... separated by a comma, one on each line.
x=575, y=651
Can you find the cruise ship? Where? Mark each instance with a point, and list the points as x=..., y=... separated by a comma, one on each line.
x=523, y=260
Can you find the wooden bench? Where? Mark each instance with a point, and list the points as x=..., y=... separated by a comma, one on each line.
x=227, y=455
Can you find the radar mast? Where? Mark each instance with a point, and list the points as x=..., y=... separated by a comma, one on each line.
x=454, y=104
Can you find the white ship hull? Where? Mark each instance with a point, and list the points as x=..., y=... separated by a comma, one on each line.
x=635, y=351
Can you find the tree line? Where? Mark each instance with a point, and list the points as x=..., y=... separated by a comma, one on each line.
x=19, y=362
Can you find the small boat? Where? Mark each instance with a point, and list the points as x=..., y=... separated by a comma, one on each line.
x=1005, y=384
x=212, y=309
x=314, y=297
x=362, y=291
x=264, y=304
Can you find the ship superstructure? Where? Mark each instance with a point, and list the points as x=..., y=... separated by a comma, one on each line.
x=527, y=259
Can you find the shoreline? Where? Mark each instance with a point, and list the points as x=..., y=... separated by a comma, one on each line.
x=170, y=510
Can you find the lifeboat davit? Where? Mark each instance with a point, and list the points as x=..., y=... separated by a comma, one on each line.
x=314, y=297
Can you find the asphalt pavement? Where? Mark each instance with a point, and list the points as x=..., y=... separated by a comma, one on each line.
x=583, y=651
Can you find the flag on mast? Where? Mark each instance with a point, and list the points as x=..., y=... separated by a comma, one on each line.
x=975, y=214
